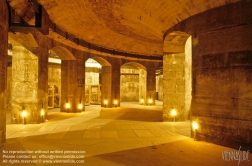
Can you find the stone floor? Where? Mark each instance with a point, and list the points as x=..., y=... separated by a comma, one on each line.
x=128, y=135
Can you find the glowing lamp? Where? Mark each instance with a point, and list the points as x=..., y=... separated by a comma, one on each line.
x=67, y=105
x=173, y=113
x=24, y=113
x=142, y=100
x=195, y=125
x=150, y=101
x=42, y=113
x=105, y=102
x=80, y=106
x=115, y=102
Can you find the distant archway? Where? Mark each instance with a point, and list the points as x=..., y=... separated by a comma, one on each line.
x=56, y=54
x=105, y=81
x=133, y=83
x=92, y=82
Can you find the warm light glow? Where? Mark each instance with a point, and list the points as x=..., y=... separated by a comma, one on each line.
x=173, y=112
x=54, y=60
x=115, y=102
x=42, y=112
x=150, y=101
x=142, y=101
x=80, y=106
x=105, y=102
x=24, y=113
x=67, y=105
x=195, y=125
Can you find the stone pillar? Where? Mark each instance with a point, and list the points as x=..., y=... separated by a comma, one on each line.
x=73, y=84
x=80, y=89
x=106, y=86
x=174, y=86
x=3, y=67
x=42, y=75
x=24, y=85
x=116, y=85
x=142, y=86
x=151, y=86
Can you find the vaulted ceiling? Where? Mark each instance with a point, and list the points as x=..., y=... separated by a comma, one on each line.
x=132, y=26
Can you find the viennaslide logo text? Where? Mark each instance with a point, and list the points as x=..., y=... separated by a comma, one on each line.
x=237, y=155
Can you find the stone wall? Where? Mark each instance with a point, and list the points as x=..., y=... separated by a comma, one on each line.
x=3, y=68
x=222, y=61
x=92, y=75
x=129, y=83
x=9, y=84
x=159, y=87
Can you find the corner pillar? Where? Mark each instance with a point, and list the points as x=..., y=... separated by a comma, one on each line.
x=42, y=76
x=151, y=86
x=106, y=86
x=73, y=84
x=116, y=86
x=3, y=68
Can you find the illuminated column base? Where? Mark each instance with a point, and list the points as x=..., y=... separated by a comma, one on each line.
x=24, y=86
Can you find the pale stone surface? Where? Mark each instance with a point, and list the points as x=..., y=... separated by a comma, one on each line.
x=24, y=85
x=129, y=83
x=142, y=86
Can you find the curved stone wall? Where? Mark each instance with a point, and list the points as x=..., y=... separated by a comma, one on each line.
x=222, y=73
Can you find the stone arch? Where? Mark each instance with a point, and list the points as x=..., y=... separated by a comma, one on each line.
x=177, y=75
x=142, y=83
x=136, y=64
x=175, y=42
x=106, y=81
x=61, y=53
x=103, y=62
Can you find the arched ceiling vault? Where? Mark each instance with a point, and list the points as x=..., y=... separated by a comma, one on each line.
x=132, y=26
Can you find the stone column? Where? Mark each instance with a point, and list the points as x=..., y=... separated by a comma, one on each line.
x=42, y=75
x=106, y=86
x=73, y=84
x=116, y=84
x=174, y=86
x=3, y=68
x=80, y=89
x=24, y=85
x=142, y=87
x=151, y=86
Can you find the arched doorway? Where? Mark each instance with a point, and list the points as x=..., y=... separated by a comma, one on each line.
x=102, y=89
x=92, y=82
x=133, y=83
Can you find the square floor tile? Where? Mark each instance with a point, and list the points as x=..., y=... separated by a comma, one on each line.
x=109, y=134
x=123, y=126
x=59, y=135
x=143, y=133
x=92, y=134
x=127, y=133
x=74, y=134
x=137, y=126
